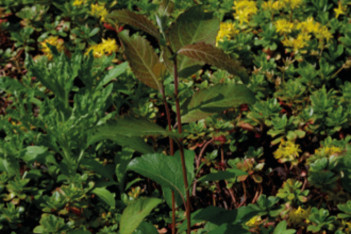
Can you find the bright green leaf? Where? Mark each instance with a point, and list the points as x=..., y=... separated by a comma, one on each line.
x=135, y=213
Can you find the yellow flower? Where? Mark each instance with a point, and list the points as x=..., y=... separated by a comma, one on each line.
x=54, y=41
x=287, y=151
x=254, y=221
x=298, y=216
x=226, y=30
x=283, y=26
x=341, y=10
x=272, y=5
x=297, y=43
x=98, y=10
x=79, y=2
x=244, y=10
x=328, y=151
x=292, y=3
x=107, y=47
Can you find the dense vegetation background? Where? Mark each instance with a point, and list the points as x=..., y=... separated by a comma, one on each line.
x=108, y=109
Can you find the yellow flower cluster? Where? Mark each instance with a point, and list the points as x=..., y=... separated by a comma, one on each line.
x=227, y=30
x=99, y=10
x=278, y=5
x=244, y=10
x=328, y=151
x=79, y=2
x=297, y=43
x=306, y=29
x=283, y=26
x=287, y=151
x=298, y=216
x=321, y=32
x=340, y=10
x=107, y=47
x=254, y=221
x=54, y=41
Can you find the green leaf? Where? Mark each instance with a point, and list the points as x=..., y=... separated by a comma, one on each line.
x=222, y=175
x=135, y=213
x=132, y=127
x=33, y=152
x=145, y=227
x=281, y=229
x=165, y=170
x=216, y=99
x=194, y=25
x=126, y=132
x=105, y=195
x=214, y=56
x=136, y=20
x=143, y=61
x=97, y=167
x=113, y=73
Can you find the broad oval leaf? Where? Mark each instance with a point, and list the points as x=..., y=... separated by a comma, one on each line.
x=135, y=213
x=214, y=56
x=165, y=170
x=136, y=20
x=143, y=61
x=194, y=25
x=215, y=99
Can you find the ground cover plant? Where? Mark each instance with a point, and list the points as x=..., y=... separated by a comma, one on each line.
x=175, y=116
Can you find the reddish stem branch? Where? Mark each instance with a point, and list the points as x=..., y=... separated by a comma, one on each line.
x=181, y=148
x=171, y=146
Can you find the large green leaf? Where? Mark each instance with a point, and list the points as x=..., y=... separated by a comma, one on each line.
x=135, y=213
x=194, y=25
x=136, y=20
x=165, y=170
x=144, y=62
x=214, y=99
x=214, y=56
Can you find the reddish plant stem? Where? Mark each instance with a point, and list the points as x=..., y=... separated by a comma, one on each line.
x=171, y=146
x=181, y=148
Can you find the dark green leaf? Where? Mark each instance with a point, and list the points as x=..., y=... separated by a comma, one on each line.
x=135, y=213
x=214, y=56
x=136, y=20
x=216, y=99
x=145, y=227
x=222, y=175
x=194, y=25
x=143, y=61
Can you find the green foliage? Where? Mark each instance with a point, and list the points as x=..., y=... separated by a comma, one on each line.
x=108, y=108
